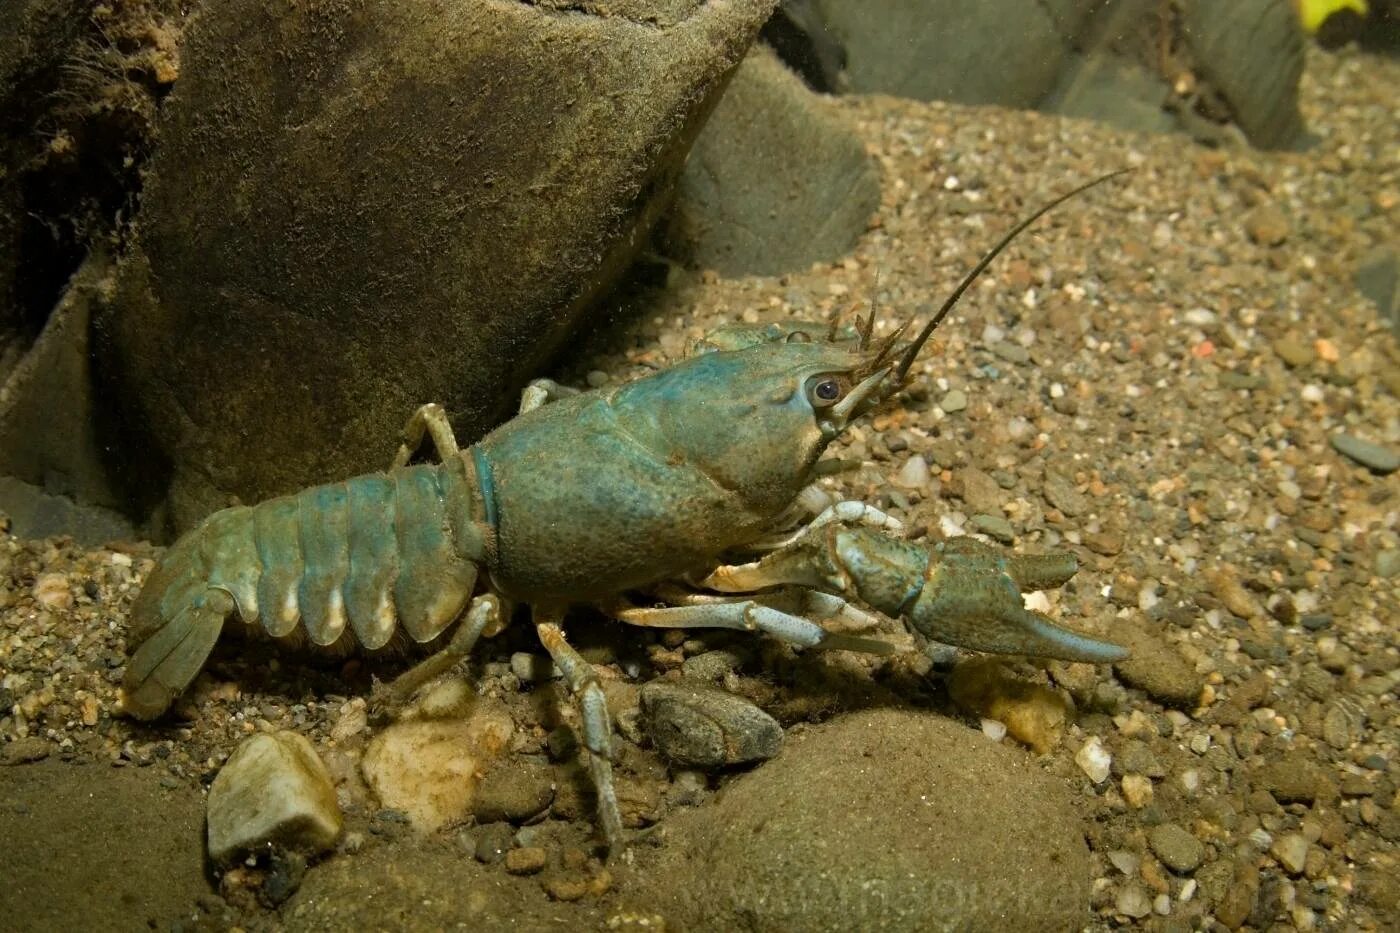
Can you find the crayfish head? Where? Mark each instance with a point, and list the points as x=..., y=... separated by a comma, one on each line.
x=756, y=420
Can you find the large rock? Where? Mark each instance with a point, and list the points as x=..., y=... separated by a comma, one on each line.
x=1006, y=52
x=778, y=180
x=273, y=789
x=358, y=206
x=1251, y=51
x=50, y=435
x=882, y=820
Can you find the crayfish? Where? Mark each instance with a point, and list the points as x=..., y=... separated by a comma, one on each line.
x=588, y=496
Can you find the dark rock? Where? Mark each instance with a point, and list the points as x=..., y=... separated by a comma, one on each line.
x=775, y=182
x=49, y=436
x=1374, y=457
x=351, y=215
x=25, y=751
x=883, y=819
x=1251, y=52
x=800, y=36
x=1378, y=278
x=493, y=841
x=700, y=727
x=943, y=49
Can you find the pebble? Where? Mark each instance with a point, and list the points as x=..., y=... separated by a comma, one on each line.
x=1226, y=587
x=955, y=401
x=1295, y=352
x=994, y=527
x=514, y=792
x=1383, y=460
x=51, y=591
x=711, y=665
x=529, y=860
x=1033, y=714
x=914, y=474
x=493, y=841
x=23, y=751
x=1094, y=760
x=702, y=727
x=1137, y=790
x=273, y=789
x=1060, y=492
x=1267, y=225
x=1291, y=850
x=1291, y=780
x=1179, y=850
x=1158, y=669
x=429, y=769
x=1133, y=901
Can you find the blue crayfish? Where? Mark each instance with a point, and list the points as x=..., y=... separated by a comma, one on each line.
x=589, y=497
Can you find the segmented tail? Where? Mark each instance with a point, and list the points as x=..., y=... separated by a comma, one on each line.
x=175, y=624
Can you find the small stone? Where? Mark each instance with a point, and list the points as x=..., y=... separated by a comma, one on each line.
x=1267, y=225
x=1294, y=352
x=1179, y=850
x=701, y=727
x=25, y=750
x=51, y=591
x=1094, y=760
x=1107, y=543
x=994, y=527
x=1137, y=790
x=1133, y=901
x=1034, y=715
x=513, y=792
x=1388, y=563
x=978, y=490
x=1226, y=587
x=711, y=665
x=568, y=887
x=493, y=841
x=451, y=699
x=954, y=401
x=1383, y=460
x=1060, y=492
x=527, y=861
x=1291, y=850
x=273, y=789
x=1156, y=667
x=1125, y=861
x=1291, y=780
x=914, y=474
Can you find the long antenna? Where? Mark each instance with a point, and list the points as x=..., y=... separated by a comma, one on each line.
x=907, y=360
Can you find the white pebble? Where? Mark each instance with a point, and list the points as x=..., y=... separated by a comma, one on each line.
x=992, y=334
x=1188, y=890
x=1312, y=393
x=1200, y=743
x=994, y=730
x=1200, y=317
x=1162, y=904
x=1289, y=489
x=1036, y=601
x=1125, y=861
x=1094, y=760
x=914, y=474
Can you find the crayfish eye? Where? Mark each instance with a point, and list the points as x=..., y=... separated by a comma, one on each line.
x=825, y=391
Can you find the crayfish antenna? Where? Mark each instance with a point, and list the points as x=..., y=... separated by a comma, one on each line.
x=901, y=370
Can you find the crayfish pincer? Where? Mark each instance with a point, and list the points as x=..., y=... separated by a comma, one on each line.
x=583, y=498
